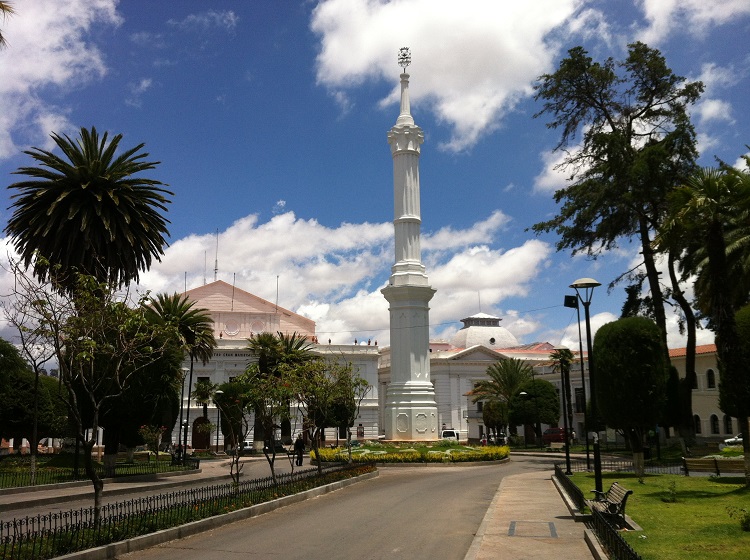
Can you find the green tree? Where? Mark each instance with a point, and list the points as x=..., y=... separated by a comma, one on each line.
x=100, y=343
x=320, y=386
x=562, y=359
x=89, y=211
x=506, y=377
x=269, y=397
x=637, y=144
x=272, y=351
x=739, y=407
x=631, y=378
x=233, y=402
x=203, y=394
x=20, y=391
x=495, y=416
x=701, y=211
x=193, y=329
x=6, y=9
x=535, y=404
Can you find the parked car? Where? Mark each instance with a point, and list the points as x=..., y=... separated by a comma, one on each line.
x=736, y=440
x=449, y=434
x=553, y=435
x=499, y=440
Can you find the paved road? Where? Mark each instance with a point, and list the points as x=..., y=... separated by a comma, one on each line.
x=406, y=512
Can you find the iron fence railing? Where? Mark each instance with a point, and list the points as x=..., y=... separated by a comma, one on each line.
x=575, y=493
x=609, y=536
x=20, y=475
x=652, y=466
x=54, y=534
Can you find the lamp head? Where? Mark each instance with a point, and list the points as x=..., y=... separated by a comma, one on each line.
x=587, y=285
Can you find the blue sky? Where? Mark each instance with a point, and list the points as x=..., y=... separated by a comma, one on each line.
x=270, y=118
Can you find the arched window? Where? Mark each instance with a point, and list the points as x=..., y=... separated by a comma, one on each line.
x=710, y=379
x=728, y=424
x=714, y=424
x=697, y=422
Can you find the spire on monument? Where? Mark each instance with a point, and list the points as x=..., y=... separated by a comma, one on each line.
x=404, y=60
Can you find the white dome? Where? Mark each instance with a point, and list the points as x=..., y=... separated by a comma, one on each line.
x=484, y=330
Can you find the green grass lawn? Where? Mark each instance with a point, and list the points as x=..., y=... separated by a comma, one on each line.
x=695, y=527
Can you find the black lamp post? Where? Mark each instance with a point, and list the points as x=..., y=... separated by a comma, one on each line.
x=572, y=301
x=182, y=405
x=584, y=288
x=565, y=381
x=218, y=417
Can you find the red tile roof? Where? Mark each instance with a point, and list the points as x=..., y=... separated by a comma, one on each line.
x=702, y=349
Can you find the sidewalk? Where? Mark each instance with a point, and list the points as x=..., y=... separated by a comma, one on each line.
x=17, y=502
x=528, y=520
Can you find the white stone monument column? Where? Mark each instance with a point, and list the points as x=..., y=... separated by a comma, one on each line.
x=410, y=407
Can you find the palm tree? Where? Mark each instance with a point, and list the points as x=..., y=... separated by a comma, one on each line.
x=272, y=350
x=194, y=329
x=562, y=359
x=704, y=210
x=506, y=377
x=88, y=212
x=6, y=9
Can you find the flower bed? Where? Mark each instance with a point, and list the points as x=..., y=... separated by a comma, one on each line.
x=422, y=454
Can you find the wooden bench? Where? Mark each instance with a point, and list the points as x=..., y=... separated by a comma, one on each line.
x=612, y=502
x=713, y=465
x=557, y=446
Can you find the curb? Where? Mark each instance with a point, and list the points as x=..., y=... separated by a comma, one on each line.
x=142, y=542
x=476, y=542
x=446, y=464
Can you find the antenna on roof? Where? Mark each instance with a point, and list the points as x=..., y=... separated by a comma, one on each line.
x=479, y=297
x=205, y=265
x=277, y=293
x=234, y=278
x=216, y=262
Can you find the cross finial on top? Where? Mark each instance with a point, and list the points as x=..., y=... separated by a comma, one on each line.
x=404, y=57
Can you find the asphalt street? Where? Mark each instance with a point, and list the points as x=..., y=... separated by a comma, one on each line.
x=406, y=512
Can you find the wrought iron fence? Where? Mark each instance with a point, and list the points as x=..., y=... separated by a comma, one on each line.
x=54, y=534
x=21, y=476
x=652, y=466
x=571, y=489
x=609, y=536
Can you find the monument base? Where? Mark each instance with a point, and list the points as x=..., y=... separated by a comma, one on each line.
x=411, y=412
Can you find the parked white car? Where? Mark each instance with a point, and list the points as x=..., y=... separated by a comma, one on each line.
x=449, y=434
x=736, y=440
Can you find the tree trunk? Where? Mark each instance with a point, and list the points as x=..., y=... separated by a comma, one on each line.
x=96, y=481
x=686, y=425
x=744, y=425
x=652, y=274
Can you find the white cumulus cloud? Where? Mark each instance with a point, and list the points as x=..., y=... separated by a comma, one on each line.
x=471, y=70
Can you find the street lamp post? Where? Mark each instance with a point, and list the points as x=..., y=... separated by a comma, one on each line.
x=584, y=288
x=218, y=418
x=565, y=380
x=572, y=301
x=182, y=403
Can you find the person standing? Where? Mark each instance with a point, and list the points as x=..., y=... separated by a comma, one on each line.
x=299, y=450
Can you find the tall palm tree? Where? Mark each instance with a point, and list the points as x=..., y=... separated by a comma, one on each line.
x=704, y=209
x=194, y=329
x=506, y=377
x=6, y=9
x=88, y=212
x=563, y=358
